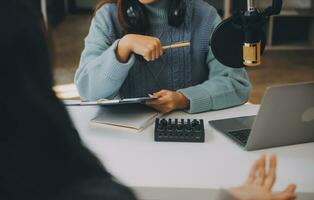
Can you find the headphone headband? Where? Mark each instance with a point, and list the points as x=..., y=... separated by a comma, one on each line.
x=137, y=20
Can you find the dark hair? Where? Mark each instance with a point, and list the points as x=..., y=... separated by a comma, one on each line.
x=40, y=149
x=133, y=18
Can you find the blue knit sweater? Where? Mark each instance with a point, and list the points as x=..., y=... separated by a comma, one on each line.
x=193, y=71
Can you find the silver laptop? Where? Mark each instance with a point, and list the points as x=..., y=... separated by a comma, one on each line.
x=286, y=117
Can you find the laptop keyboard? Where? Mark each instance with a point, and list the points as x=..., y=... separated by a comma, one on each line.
x=241, y=136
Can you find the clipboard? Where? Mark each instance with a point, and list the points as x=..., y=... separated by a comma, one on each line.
x=106, y=102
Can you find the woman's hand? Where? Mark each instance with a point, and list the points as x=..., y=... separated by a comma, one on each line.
x=260, y=183
x=148, y=47
x=168, y=101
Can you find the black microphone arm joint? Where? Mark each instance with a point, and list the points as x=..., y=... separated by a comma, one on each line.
x=275, y=9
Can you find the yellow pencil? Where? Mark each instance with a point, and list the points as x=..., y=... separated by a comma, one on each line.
x=177, y=45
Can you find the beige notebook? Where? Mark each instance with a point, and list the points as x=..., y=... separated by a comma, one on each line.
x=135, y=116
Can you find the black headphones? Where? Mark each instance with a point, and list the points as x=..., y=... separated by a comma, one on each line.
x=137, y=20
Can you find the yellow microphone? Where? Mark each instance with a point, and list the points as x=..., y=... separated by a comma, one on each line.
x=252, y=54
x=252, y=44
x=239, y=41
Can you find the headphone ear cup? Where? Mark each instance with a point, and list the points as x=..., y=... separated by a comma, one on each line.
x=136, y=18
x=176, y=13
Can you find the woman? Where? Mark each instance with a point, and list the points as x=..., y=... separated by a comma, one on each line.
x=42, y=156
x=123, y=56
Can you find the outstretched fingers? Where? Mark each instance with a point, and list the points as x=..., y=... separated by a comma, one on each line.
x=271, y=176
x=262, y=171
x=252, y=176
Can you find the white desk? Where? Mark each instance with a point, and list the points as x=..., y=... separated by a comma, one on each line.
x=177, y=170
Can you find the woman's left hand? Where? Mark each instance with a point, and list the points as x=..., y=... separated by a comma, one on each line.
x=169, y=101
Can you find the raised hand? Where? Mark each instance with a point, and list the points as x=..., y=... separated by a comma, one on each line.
x=148, y=47
x=259, y=184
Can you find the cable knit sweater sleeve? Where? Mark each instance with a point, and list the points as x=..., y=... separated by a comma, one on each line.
x=100, y=74
x=225, y=87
